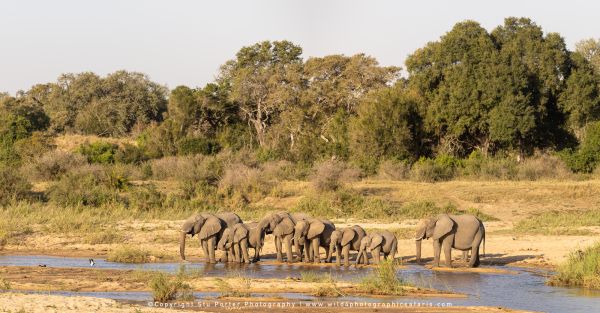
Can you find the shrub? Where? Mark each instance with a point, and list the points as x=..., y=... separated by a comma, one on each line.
x=587, y=157
x=129, y=254
x=53, y=164
x=330, y=175
x=197, y=168
x=543, y=166
x=316, y=277
x=89, y=185
x=383, y=280
x=393, y=170
x=201, y=145
x=442, y=168
x=581, y=269
x=99, y=152
x=167, y=289
x=130, y=154
x=329, y=290
x=244, y=182
x=227, y=290
x=12, y=185
x=146, y=198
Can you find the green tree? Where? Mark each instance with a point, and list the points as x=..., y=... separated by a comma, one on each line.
x=590, y=50
x=387, y=126
x=264, y=80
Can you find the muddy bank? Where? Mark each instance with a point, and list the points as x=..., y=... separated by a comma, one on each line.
x=106, y=280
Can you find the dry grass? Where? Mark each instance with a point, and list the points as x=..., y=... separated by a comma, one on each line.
x=559, y=223
x=582, y=269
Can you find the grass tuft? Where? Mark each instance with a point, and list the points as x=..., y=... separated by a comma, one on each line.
x=315, y=277
x=227, y=290
x=384, y=281
x=165, y=288
x=129, y=254
x=582, y=269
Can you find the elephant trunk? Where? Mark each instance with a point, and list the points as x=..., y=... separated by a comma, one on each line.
x=418, y=245
x=182, y=246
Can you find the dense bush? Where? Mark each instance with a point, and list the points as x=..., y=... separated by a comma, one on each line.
x=12, y=185
x=330, y=175
x=204, y=146
x=53, y=164
x=441, y=168
x=581, y=269
x=587, y=157
x=543, y=166
x=244, y=184
x=99, y=152
x=89, y=186
x=130, y=154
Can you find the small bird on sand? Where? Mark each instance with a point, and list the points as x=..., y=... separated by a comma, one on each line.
x=42, y=265
x=92, y=262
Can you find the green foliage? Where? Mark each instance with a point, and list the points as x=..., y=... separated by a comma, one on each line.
x=130, y=154
x=387, y=126
x=582, y=269
x=99, y=152
x=587, y=157
x=443, y=167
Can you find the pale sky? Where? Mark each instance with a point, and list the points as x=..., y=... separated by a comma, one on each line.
x=184, y=42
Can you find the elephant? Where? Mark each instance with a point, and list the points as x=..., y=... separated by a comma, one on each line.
x=462, y=232
x=281, y=224
x=313, y=233
x=240, y=237
x=376, y=243
x=209, y=228
x=347, y=239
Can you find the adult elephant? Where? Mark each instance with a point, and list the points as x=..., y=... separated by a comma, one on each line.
x=346, y=239
x=461, y=232
x=240, y=237
x=209, y=227
x=281, y=224
x=313, y=233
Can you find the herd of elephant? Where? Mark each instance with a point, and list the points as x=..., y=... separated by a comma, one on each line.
x=228, y=233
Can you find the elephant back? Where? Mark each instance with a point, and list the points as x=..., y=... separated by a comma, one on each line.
x=389, y=240
x=360, y=234
x=326, y=235
x=229, y=218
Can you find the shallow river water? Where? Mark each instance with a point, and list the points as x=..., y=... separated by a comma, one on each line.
x=525, y=290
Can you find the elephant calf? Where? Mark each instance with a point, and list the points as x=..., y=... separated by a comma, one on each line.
x=376, y=243
x=346, y=239
x=462, y=232
x=241, y=237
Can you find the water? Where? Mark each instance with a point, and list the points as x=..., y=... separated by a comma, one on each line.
x=525, y=290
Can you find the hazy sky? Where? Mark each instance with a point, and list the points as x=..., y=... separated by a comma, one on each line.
x=184, y=42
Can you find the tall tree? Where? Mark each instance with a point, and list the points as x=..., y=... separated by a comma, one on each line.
x=590, y=50
x=264, y=79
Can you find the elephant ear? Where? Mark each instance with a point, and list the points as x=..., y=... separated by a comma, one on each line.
x=285, y=227
x=443, y=226
x=211, y=227
x=315, y=229
x=376, y=241
x=347, y=236
x=241, y=232
x=421, y=229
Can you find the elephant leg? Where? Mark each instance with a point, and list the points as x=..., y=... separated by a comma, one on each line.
x=376, y=255
x=465, y=255
x=236, y=248
x=346, y=253
x=244, y=248
x=288, y=245
x=316, y=243
x=211, y=250
x=256, y=254
x=328, y=255
x=437, y=247
x=447, y=245
x=474, y=262
x=204, y=245
x=278, y=248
